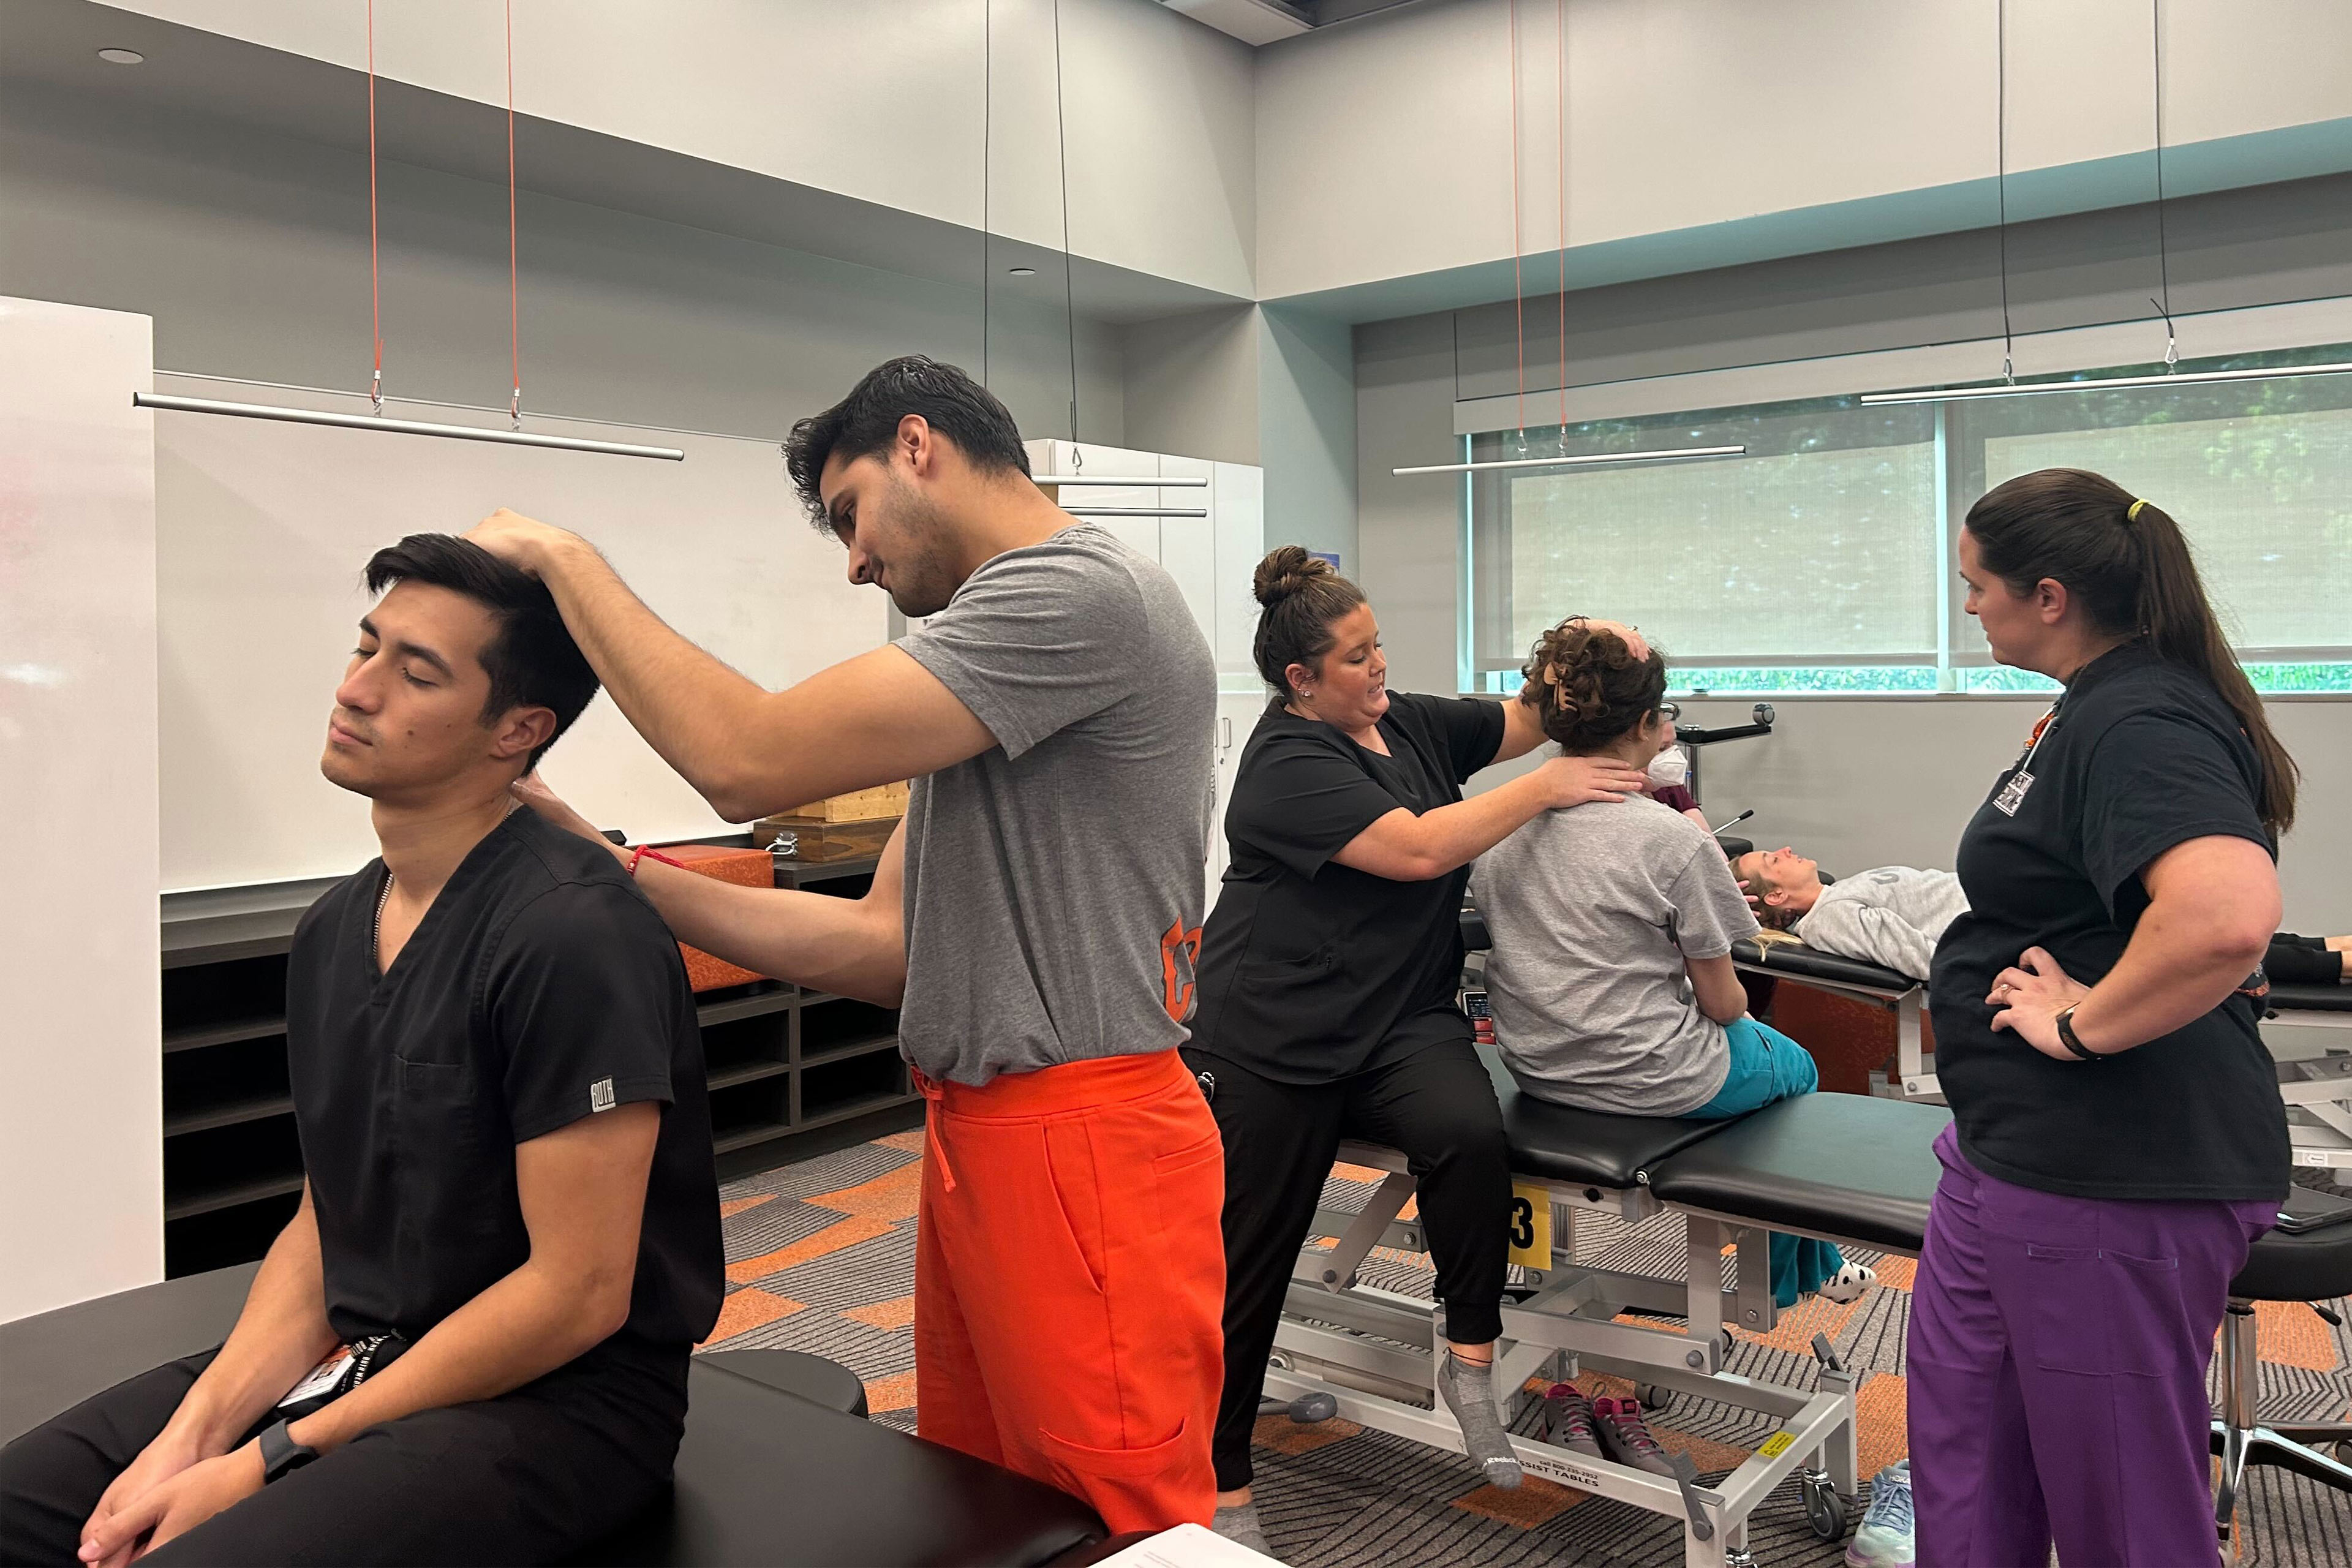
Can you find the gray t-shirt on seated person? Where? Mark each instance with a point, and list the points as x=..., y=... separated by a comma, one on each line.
x=1054, y=882
x=1592, y=912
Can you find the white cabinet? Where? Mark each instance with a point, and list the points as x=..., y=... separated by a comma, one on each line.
x=1237, y=714
x=1212, y=560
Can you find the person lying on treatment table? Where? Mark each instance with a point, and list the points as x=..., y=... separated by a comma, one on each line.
x=1611, y=974
x=1893, y=916
x=508, y=1240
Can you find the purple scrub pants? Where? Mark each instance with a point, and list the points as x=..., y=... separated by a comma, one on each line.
x=2057, y=1373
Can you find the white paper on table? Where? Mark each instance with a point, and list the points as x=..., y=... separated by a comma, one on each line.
x=1187, y=1546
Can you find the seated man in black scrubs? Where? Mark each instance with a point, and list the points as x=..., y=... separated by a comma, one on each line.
x=511, y=1213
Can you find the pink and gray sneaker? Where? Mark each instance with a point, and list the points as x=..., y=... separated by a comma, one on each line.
x=1568, y=1421
x=1627, y=1439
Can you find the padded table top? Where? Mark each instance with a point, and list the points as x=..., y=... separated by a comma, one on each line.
x=1589, y=1148
x=1797, y=960
x=51, y=1362
x=2310, y=999
x=764, y=1477
x=1841, y=1165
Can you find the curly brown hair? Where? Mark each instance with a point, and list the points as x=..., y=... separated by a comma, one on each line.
x=1587, y=687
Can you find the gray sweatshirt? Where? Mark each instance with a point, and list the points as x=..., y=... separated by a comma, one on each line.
x=1891, y=916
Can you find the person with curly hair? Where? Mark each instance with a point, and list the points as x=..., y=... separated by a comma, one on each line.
x=1611, y=976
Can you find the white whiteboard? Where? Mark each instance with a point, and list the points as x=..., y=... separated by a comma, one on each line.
x=262, y=530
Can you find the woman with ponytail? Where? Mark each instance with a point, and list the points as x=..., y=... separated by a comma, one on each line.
x=1327, y=981
x=2117, y=1140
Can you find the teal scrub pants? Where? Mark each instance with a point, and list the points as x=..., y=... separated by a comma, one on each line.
x=1766, y=1066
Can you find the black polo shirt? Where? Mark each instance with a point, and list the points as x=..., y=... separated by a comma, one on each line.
x=2141, y=755
x=1311, y=971
x=540, y=987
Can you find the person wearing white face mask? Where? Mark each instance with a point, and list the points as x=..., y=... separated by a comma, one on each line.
x=1669, y=774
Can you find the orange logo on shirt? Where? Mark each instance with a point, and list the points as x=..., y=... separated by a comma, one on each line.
x=1178, y=986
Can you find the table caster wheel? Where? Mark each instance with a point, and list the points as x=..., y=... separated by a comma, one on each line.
x=1825, y=1511
x=1651, y=1396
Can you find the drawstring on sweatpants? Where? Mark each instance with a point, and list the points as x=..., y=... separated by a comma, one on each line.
x=934, y=1097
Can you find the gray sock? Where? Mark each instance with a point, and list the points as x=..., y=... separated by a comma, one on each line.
x=1469, y=1391
x=1240, y=1526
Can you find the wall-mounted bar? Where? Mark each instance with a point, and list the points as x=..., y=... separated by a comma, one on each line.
x=1591, y=460
x=1137, y=511
x=399, y=427
x=2109, y=384
x=1182, y=482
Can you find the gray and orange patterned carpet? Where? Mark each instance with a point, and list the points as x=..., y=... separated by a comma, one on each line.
x=820, y=1257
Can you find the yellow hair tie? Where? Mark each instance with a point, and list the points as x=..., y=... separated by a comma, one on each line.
x=2132, y=514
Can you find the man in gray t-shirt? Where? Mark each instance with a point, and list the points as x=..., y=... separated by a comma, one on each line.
x=1053, y=880
x=1593, y=912
x=1038, y=913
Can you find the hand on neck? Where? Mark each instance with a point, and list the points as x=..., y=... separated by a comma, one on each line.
x=424, y=840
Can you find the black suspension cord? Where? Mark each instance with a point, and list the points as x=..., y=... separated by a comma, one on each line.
x=1069, y=299
x=2001, y=181
x=987, y=136
x=2163, y=248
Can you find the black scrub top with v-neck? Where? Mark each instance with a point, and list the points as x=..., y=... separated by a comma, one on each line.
x=1311, y=971
x=540, y=987
x=2139, y=756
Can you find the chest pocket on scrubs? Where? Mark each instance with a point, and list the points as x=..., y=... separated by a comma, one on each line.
x=441, y=1153
x=1268, y=971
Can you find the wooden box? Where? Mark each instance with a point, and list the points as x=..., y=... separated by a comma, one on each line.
x=816, y=841
x=858, y=806
x=745, y=867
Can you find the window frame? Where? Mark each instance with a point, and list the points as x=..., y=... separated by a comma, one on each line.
x=1960, y=670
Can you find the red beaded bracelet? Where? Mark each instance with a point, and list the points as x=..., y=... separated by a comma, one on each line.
x=647, y=852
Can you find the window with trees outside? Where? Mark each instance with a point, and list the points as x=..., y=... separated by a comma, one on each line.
x=1821, y=559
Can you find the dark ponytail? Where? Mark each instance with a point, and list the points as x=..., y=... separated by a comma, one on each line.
x=1302, y=595
x=2127, y=560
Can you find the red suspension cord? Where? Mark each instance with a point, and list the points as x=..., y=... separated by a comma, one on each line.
x=514, y=291
x=376, y=291
x=1559, y=25
x=1519, y=292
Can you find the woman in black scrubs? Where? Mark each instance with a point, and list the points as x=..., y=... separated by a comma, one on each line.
x=1329, y=974
x=2117, y=1140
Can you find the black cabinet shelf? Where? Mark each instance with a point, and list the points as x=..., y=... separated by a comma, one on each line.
x=782, y=1062
x=180, y=1123
x=750, y=1072
x=205, y=1201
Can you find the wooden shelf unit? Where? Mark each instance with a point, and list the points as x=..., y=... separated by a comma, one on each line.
x=782, y=1063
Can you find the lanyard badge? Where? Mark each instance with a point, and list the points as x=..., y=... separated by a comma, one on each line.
x=2012, y=794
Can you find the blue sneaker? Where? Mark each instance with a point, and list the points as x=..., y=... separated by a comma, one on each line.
x=1885, y=1539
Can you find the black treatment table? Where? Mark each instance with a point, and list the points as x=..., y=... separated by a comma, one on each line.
x=765, y=1476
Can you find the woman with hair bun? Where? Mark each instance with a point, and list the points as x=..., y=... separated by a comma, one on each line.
x=1329, y=973
x=2117, y=1140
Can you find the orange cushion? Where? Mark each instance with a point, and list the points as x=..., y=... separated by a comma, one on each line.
x=744, y=867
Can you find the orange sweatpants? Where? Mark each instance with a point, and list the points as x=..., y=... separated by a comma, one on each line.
x=1070, y=1282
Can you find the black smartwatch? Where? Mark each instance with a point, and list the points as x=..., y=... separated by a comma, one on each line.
x=281, y=1454
x=2068, y=1039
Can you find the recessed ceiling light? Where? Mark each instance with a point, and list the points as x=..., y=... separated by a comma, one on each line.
x=1022, y=271
x=122, y=56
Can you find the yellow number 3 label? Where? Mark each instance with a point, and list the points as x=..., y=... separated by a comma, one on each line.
x=1530, y=1227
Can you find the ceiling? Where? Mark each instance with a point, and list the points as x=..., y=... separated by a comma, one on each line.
x=50, y=46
